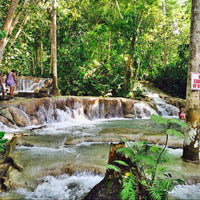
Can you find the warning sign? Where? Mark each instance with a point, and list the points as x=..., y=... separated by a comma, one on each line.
x=195, y=81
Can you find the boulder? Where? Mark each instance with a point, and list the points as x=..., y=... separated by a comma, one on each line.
x=6, y=122
x=130, y=116
x=19, y=117
x=6, y=114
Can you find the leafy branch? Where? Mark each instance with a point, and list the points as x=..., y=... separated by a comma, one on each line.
x=144, y=168
x=2, y=141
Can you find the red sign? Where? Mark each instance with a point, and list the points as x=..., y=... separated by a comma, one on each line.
x=195, y=81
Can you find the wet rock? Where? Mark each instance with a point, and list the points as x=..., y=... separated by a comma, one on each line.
x=104, y=138
x=6, y=122
x=176, y=102
x=6, y=113
x=35, y=121
x=12, y=115
x=131, y=116
x=91, y=108
x=19, y=117
x=44, y=110
x=127, y=106
x=113, y=108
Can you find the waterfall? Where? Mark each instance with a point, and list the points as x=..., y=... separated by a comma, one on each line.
x=143, y=110
x=83, y=109
x=72, y=141
x=29, y=84
x=166, y=110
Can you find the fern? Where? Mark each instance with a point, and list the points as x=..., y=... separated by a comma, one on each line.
x=156, y=193
x=147, y=159
x=128, y=191
x=2, y=141
x=113, y=167
x=174, y=132
x=121, y=162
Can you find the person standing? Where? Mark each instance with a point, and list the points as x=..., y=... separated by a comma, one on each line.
x=2, y=88
x=12, y=82
x=181, y=114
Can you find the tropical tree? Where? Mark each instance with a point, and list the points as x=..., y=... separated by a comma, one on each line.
x=7, y=26
x=18, y=12
x=191, y=137
x=103, y=47
x=55, y=90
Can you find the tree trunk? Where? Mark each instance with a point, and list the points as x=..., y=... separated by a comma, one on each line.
x=109, y=46
x=138, y=69
x=41, y=55
x=7, y=26
x=32, y=63
x=121, y=16
x=19, y=30
x=191, y=137
x=36, y=62
x=55, y=90
x=165, y=60
x=12, y=19
x=130, y=63
x=17, y=16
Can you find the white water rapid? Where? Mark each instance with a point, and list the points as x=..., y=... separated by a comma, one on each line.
x=166, y=110
x=65, y=156
x=29, y=84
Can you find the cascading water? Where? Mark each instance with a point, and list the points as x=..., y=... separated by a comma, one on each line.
x=29, y=84
x=166, y=110
x=143, y=110
x=71, y=151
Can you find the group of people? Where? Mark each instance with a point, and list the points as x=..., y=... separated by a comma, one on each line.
x=10, y=81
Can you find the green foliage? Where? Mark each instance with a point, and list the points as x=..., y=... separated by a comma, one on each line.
x=94, y=41
x=138, y=92
x=2, y=34
x=128, y=192
x=2, y=141
x=169, y=131
x=113, y=167
x=172, y=79
x=147, y=159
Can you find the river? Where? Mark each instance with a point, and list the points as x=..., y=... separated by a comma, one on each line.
x=67, y=157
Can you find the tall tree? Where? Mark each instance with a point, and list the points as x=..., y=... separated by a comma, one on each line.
x=191, y=137
x=7, y=26
x=18, y=13
x=55, y=91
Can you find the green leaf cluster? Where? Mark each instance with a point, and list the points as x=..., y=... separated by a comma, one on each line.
x=2, y=34
x=128, y=191
x=95, y=40
x=147, y=159
x=169, y=131
x=2, y=141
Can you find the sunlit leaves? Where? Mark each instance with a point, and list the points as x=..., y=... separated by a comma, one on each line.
x=159, y=119
x=2, y=34
x=2, y=141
